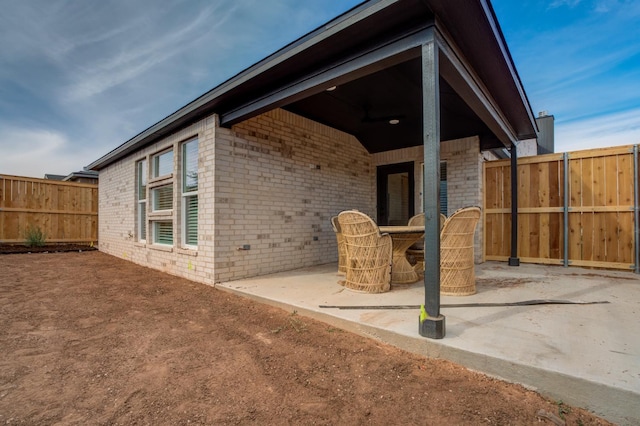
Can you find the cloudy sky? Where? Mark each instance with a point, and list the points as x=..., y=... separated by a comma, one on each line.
x=79, y=78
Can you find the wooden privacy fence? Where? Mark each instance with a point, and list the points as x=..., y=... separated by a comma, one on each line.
x=578, y=208
x=66, y=212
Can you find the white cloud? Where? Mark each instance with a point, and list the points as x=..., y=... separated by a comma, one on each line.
x=614, y=129
x=560, y=3
x=34, y=152
x=129, y=59
x=600, y=6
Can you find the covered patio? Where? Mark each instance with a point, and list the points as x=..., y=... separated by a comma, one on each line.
x=585, y=355
x=398, y=75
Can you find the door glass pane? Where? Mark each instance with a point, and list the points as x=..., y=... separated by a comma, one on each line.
x=398, y=198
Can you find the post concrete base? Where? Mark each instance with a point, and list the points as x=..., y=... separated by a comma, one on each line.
x=432, y=327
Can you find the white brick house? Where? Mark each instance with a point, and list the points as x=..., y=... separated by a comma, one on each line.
x=243, y=181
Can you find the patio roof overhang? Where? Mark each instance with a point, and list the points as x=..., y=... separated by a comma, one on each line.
x=373, y=54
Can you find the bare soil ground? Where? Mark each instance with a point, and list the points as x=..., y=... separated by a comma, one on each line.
x=87, y=338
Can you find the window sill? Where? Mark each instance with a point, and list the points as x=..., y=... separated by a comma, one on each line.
x=160, y=180
x=141, y=244
x=160, y=247
x=161, y=215
x=187, y=251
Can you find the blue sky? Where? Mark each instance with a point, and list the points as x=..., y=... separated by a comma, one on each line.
x=79, y=78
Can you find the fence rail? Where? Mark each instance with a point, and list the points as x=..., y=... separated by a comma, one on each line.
x=575, y=208
x=66, y=212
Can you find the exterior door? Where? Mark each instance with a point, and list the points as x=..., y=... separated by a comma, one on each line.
x=395, y=194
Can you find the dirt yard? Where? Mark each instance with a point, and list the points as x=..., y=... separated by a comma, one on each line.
x=90, y=339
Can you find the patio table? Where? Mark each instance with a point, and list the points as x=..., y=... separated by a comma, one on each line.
x=403, y=237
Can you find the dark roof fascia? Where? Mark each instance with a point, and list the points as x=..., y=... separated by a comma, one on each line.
x=502, y=43
x=474, y=27
x=464, y=80
x=184, y=115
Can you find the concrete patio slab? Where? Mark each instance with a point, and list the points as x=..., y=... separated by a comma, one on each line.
x=583, y=355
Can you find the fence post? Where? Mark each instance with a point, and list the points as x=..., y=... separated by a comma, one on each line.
x=636, y=213
x=565, y=248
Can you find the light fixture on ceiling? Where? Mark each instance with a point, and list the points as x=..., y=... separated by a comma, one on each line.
x=394, y=121
x=331, y=89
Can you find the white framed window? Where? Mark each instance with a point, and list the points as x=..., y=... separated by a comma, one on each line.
x=162, y=164
x=141, y=197
x=162, y=198
x=160, y=189
x=163, y=232
x=190, y=193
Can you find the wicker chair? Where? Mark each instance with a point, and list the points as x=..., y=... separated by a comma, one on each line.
x=415, y=254
x=342, y=250
x=368, y=253
x=457, y=269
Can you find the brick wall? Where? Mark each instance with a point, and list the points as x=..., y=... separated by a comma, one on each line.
x=279, y=179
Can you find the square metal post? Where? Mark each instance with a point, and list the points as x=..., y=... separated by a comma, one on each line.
x=514, y=260
x=433, y=326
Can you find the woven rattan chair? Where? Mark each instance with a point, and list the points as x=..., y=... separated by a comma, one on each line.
x=369, y=253
x=415, y=254
x=342, y=250
x=417, y=220
x=457, y=269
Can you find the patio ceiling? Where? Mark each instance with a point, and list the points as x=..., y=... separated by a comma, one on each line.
x=364, y=108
